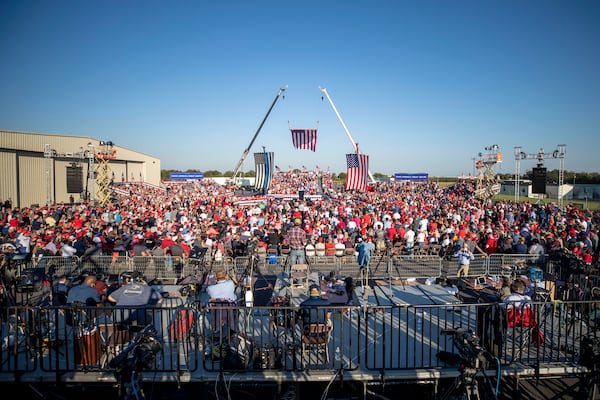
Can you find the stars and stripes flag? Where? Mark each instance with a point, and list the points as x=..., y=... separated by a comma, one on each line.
x=357, y=171
x=304, y=139
x=264, y=170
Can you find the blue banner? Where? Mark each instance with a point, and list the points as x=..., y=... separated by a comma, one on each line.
x=185, y=175
x=411, y=177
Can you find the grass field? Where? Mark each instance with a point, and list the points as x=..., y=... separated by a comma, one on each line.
x=581, y=204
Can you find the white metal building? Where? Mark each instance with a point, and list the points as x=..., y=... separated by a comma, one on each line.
x=40, y=168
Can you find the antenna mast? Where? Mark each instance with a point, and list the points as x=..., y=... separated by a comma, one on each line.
x=354, y=146
x=247, y=150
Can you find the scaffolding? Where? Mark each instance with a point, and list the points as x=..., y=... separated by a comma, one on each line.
x=103, y=156
x=488, y=183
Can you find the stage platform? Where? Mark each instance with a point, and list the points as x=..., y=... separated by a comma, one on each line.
x=387, y=330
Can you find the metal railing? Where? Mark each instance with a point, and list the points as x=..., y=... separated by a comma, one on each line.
x=375, y=338
x=171, y=269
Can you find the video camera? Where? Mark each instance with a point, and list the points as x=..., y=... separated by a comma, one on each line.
x=467, y=344
x=590, y=353
x=139, y=354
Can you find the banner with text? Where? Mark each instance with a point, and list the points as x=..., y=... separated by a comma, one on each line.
x=411, y=177
x=185, y=175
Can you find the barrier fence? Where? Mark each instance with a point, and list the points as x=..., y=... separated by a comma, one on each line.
x=171, y=269
x=374, y=339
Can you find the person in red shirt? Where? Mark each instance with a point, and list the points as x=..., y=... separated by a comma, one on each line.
x=392, y=233
x=491, y=243
x=329, y=247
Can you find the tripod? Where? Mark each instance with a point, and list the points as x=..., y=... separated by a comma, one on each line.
x=137, y=356
x=590, y=358
x=472, y=383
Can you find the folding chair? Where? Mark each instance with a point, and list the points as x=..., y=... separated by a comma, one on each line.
x=224, y=317
x=299, y=276
x=315, y=338
x=522, y=331
x=348, y=255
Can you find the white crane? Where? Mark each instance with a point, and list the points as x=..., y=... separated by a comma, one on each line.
x=324, y=90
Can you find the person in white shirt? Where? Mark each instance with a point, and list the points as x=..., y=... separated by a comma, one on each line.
x=223, y=289
x=67, y=250
x=222, y=298
x=464, y=261
x=517, y=297
x=320, y=247
x=339, y=248
x=409, y=237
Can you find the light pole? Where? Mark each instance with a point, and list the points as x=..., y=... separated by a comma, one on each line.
x=573, y=194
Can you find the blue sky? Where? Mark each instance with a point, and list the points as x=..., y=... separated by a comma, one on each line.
x=423, y=86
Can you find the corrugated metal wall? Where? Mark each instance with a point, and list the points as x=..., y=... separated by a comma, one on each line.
x=8, y=176
x=32, y=183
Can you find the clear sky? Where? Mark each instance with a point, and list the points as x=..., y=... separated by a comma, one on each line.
x=422, y=86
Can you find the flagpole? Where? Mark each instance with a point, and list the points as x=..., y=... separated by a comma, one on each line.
x=354, y=146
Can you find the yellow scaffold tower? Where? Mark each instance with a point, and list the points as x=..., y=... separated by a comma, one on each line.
x=103, y=156
x=487, y=182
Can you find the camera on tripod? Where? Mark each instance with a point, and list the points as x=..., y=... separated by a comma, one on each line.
x=467, y=344
x=139, y=354
x=590, y=353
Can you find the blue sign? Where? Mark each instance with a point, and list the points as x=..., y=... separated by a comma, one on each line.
x=186, y=175
x=411, y=177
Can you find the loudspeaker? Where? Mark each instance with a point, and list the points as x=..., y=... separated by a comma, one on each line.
x=74, y=179
x=539, y=180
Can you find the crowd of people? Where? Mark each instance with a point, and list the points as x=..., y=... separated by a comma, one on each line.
x=178, y=216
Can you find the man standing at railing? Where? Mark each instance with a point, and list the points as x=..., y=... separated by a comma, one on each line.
x=464, y=261
x=296, y=239
x=365, y=251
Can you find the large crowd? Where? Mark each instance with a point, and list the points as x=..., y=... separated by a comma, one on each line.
x=178, y=216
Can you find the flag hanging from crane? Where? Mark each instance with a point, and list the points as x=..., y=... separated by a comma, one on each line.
x=304, y=139
x=357, y=172
x=264, y=170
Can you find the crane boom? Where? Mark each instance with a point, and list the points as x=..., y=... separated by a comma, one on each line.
x=247, y=150
x=324, y=90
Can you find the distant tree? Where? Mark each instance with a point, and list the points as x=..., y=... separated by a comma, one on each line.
x=552, y=176
x=212, y=173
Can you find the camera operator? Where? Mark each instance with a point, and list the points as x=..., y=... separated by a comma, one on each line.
x=133, y=301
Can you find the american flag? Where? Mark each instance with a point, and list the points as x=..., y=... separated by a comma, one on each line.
x=357, y=171
x=304, y=139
